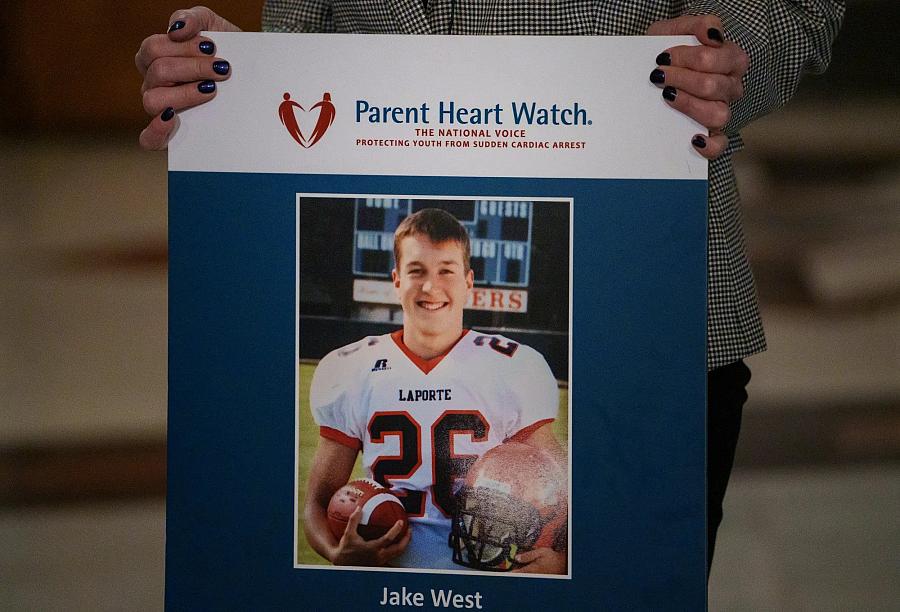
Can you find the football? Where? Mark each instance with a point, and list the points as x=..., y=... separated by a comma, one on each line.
x=380, y=509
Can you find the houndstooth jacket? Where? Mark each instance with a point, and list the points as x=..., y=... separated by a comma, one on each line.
x=783, y=38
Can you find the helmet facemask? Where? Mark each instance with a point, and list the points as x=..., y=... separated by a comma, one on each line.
x=490, y=528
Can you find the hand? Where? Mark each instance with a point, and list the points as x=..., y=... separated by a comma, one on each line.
x=179, y=70
x=542, y=561
x=354, y=550
x=701, y=81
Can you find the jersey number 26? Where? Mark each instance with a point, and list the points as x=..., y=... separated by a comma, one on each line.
x=447, y=466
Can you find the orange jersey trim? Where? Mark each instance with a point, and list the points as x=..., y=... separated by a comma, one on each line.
x=340, y=437
x=525, y=433
x=426, y=365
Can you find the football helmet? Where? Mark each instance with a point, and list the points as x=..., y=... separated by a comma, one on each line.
x=515, y=498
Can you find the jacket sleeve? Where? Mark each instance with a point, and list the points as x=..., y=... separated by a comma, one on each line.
x=783, y=38
x=297, y=16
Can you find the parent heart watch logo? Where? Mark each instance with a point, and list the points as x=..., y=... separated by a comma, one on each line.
x=288, y=116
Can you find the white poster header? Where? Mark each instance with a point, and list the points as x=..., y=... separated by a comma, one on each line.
x=576, y=107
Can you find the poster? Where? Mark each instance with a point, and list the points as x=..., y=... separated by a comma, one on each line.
x=469, y=270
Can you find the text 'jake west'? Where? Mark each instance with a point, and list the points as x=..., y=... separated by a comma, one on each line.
x=440, y=598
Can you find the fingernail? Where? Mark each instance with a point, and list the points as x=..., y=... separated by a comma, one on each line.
x=669, y=93
x=664, y=59
x=221, y=67
x=658, y=76
x=167, y=114
x=699, y=141
x=715, y=34
x=208, y=87
x=207, y=47
x=176, y=26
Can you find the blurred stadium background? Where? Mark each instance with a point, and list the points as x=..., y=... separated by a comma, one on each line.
x=811, y=514
x=519, y=257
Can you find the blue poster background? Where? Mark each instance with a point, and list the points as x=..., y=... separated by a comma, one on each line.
x=637, y=397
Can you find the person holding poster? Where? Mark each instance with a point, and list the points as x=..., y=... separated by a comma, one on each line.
x=749, y=61
x=422, y=404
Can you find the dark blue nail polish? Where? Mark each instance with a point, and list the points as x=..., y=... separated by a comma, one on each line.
x=176, y=26
x=664, y=59
x=669, y=93
x=658, y=76
x=206, y=87
x=221, y=67
x=715, y=34
x=167, y=114
x=699, y=141
x=207, y=48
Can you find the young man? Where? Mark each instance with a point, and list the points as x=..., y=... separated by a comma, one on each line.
x=422, y=404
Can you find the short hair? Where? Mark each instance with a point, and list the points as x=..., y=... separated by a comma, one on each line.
x=438, y=226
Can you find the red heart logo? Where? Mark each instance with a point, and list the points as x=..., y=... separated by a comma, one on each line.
x=289, y=119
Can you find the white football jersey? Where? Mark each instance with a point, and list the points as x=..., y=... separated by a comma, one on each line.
x=421, y=424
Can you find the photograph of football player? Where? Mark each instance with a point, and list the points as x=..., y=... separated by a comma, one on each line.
x=447, y=420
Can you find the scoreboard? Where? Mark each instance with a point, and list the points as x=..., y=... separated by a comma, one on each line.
x=520, y=259
x=499, y=231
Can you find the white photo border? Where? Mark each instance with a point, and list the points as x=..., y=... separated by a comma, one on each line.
x=297, y=416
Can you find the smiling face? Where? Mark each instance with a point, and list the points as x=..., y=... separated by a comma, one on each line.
x=432, y=284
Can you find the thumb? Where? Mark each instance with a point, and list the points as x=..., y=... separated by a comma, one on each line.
x=184, y=24
x=156, y=135
x=353, y=523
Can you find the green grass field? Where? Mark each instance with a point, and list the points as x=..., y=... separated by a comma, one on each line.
x=309, y=438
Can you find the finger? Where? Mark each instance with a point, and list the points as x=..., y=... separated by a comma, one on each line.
x=179, y=97
x=158, y=132
x=711, y=146
x=392, y=533
x=528, y=556
x=727, y=59
x=392, y=550
x=707, y=28
x=704, y=85
x=524, y=559
x=711, y=114
x=169, y=71
x=159, y=46
x=187, y=23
